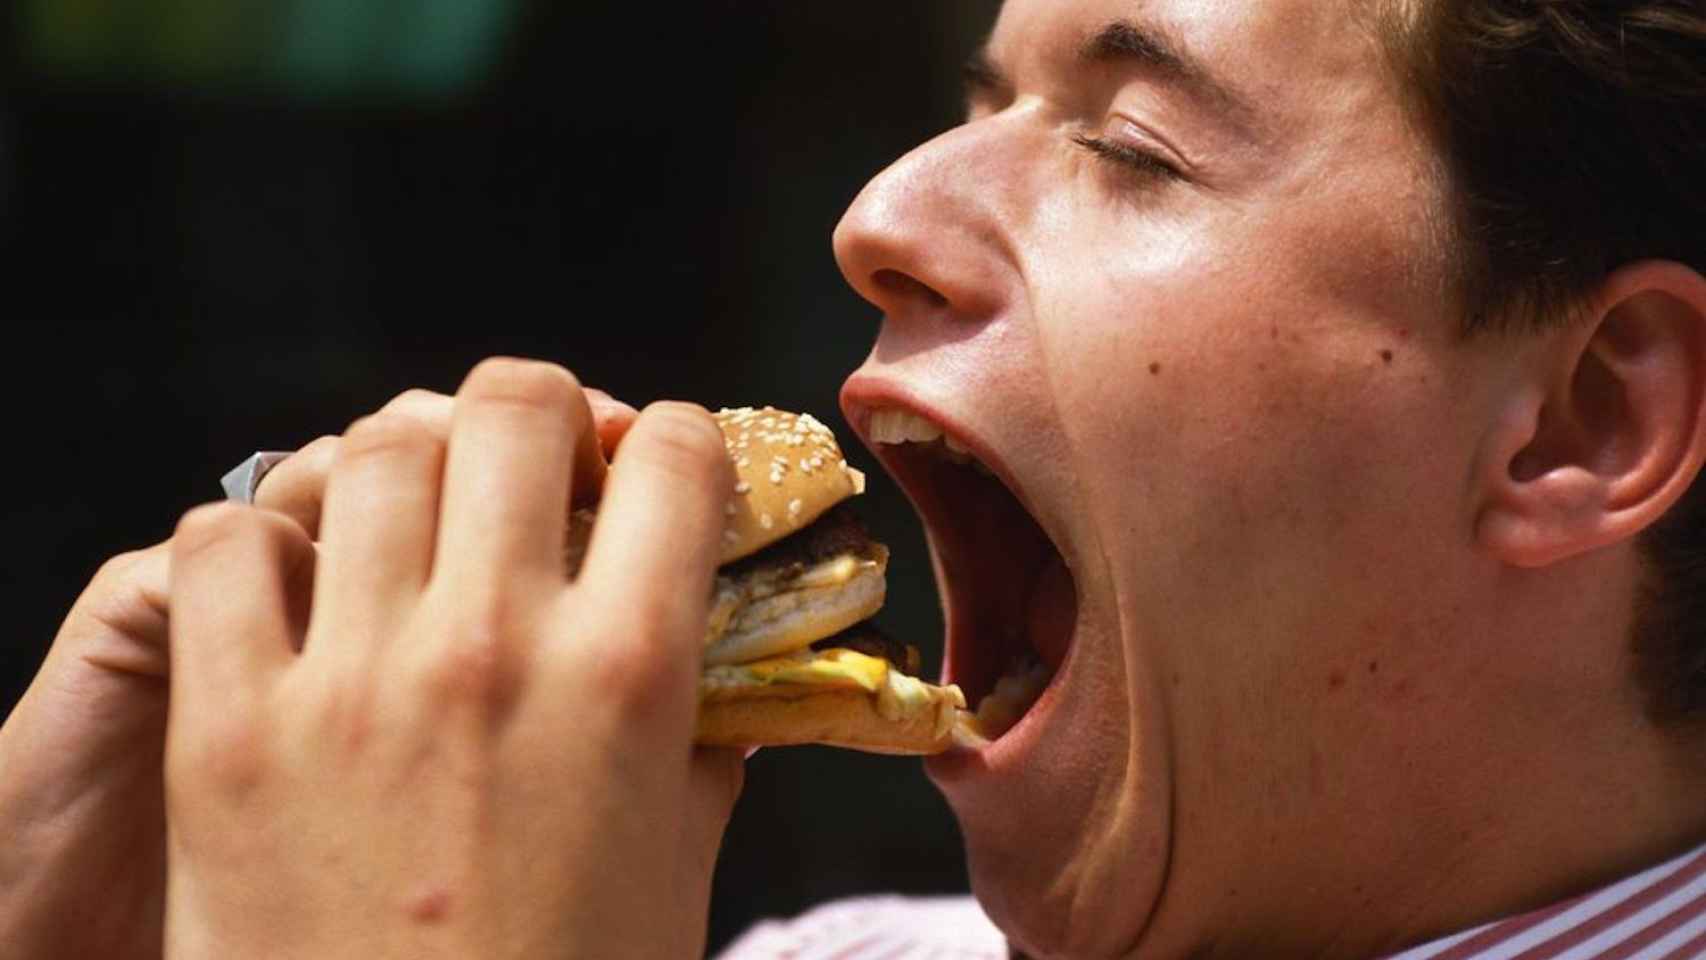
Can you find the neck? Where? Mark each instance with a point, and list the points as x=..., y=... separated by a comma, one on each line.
x=1500, y=766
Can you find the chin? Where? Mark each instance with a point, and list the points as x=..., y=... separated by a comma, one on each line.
x=1064, y=810
x=1065, y=820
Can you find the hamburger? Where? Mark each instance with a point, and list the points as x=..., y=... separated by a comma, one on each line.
x=788, y=655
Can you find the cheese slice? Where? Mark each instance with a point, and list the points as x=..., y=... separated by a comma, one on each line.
x=837, y=667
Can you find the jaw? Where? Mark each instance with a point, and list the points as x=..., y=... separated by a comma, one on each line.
x=1066, y=835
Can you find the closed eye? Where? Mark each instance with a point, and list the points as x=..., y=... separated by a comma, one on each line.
x=1130, y=158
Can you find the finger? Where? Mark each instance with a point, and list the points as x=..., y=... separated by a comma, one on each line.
x=127, y=602
x=379, y=526
x=519, y=431
x=236, y=586
x=296, y=487
x=658, y=537
x=611, y=418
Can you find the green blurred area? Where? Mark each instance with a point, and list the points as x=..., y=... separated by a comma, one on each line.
x=309, y=48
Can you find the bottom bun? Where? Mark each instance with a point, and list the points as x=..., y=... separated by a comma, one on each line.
x=837, y=718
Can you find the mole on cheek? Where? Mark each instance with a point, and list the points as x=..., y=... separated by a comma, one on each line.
x=1154, y=369
x=1385, y=356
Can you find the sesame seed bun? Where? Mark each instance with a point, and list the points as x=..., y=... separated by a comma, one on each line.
x=789, y=471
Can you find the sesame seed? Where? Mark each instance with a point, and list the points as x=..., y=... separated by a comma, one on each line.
x=730, y=536
x=765, y=521
x=744, y=462
x=794, y=507
x=729, y=509
x=743, y=487
x=776, y=477
x=805, y=466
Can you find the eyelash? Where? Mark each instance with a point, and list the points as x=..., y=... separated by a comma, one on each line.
x=1134, y=159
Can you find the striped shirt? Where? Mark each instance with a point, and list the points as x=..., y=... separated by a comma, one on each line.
x=1657, y=914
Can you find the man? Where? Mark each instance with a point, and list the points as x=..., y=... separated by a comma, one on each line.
x=1346, y=365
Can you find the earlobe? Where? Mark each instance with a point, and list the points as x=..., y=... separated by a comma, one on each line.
x=1609, y=431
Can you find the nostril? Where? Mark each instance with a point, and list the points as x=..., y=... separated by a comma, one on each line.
x=901, y=285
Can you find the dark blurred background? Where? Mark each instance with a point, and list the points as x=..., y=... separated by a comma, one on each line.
x=238, y=224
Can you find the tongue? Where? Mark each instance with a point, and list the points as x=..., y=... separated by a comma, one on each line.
x=1051, y=613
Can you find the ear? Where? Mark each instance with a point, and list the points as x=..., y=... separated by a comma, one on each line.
x=1608, y=428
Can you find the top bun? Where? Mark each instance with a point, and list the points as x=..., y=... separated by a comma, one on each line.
x=788, y=472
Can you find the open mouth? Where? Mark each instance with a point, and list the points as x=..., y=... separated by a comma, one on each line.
x=1008, y=597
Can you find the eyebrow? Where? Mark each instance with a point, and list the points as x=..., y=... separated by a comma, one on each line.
x=1159, y=50
x=1130, y=42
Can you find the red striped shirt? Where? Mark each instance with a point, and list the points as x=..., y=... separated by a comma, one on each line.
x=1657, y=914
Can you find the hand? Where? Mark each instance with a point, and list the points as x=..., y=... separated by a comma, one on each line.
x=452, y=750
x=82, y=868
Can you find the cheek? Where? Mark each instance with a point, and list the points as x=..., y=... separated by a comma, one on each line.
x=1238, y=426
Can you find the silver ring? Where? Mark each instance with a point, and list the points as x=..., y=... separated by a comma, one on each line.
x=240, y=483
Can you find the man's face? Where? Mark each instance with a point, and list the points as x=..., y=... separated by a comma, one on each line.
x=1176, y=282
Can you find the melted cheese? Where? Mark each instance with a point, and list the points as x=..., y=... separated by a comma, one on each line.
x=837, y=667
x=898, y=696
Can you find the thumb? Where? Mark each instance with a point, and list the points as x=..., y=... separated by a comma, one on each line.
x=714, y=782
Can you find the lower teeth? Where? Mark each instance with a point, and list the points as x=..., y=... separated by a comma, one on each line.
x=1014, y=693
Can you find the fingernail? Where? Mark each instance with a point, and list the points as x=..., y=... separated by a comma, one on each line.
x=750, y=751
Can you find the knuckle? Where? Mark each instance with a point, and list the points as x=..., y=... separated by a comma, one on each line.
x=209, y=526
x=414, y=398
x=318, y=450
x=625, y=677
x=425, y=405
x=225, y=749
x=474, y=663
x=525, y=383
x=679, y=439
x=633, y=666
x=383, y=436
x=341, y=712
x=116, y=570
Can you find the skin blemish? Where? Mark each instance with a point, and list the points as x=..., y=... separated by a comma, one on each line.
x=1374, y=666
x=429, y=906
x=1154, y=369
x=1335, y=680
x=1385, y=356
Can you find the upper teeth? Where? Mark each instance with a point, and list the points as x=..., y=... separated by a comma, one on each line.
x=899, y=426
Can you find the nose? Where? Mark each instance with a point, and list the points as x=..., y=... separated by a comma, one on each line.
x=928, y=234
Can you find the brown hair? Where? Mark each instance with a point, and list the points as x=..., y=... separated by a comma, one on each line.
x=1573, y=137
